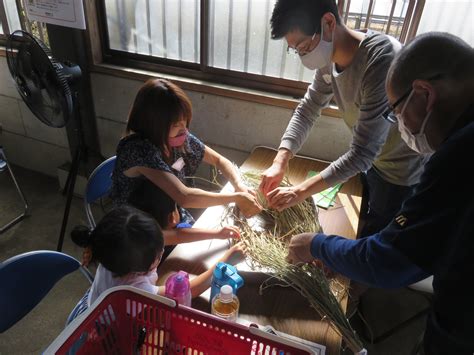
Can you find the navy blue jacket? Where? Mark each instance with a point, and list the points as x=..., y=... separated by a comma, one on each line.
x=433, y=234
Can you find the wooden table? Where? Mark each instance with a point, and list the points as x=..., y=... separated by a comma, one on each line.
x=283, y=308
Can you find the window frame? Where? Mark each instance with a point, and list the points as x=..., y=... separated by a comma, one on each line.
x=4, y=21
x=202, y=71
x=199, y=71
x=25, y=24
x=197, y=76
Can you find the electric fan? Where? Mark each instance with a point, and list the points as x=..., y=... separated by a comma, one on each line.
x=49, y=88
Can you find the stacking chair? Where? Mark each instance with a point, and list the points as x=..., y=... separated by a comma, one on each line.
x=26, y=280
x=423, y=288
x=4, y=166
x=98, y=186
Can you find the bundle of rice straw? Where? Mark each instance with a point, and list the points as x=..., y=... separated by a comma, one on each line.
x=267, y=247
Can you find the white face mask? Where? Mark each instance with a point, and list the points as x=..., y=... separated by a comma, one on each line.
x=321, y=55
x=418, y=141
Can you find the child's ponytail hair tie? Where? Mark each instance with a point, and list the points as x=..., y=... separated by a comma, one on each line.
x=82, y=236
x=89, y=236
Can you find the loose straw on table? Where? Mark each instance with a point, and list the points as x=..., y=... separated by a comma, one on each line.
x=268, y=249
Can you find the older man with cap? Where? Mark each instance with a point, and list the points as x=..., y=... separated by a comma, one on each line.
x=430, y=86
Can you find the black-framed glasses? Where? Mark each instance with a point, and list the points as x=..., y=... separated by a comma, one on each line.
x=390, y=114
x=301, y=51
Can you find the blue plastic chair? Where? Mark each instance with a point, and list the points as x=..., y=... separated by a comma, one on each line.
x=98, y=186
x=27, y=278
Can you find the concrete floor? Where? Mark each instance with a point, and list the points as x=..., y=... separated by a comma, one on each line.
x=382, y=308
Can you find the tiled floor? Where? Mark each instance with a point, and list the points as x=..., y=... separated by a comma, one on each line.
x=382, y=308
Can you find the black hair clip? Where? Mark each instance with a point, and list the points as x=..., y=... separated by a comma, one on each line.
x=89, y=236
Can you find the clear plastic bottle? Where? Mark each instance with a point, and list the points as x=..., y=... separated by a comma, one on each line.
x=225, y=304
x=225, y=274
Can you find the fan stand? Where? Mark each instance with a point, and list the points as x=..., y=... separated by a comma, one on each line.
x=81, y=152
x=45, y=72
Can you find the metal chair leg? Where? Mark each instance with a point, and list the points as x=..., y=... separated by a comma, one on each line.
x=20, y=192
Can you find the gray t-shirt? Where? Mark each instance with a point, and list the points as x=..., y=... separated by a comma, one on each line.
x=359, y=91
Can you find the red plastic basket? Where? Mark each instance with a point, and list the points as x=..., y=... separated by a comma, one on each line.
x=114, y=324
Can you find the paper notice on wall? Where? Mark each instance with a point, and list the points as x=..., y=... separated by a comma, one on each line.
x=67, y=13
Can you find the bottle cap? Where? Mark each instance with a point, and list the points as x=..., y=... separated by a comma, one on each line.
x=226, y=293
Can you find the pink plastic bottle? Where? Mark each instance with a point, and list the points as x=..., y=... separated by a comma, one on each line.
x=178, y=288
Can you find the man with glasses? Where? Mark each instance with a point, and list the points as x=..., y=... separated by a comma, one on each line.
x=351, y=66
x=430, y=86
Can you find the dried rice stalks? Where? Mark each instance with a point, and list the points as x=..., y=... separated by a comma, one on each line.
x=267, y=246
x=301, y=218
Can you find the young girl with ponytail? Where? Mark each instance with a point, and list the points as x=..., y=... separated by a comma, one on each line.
x=128, y=245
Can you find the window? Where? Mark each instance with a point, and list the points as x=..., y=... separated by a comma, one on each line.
x=9, y=18
x=387, y=16
x=229, y=40
x=13, y=17
x=455, y=17
x=218, y=40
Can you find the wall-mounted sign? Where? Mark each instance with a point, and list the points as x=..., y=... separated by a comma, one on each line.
x=68, y=13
